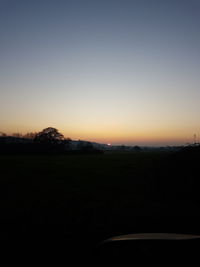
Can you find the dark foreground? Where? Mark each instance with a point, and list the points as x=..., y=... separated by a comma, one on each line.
x=62, y=207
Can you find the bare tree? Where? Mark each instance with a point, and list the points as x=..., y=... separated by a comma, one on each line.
x=18, y=135
x=30, y=135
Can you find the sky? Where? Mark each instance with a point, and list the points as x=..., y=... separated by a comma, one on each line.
x=110, y=71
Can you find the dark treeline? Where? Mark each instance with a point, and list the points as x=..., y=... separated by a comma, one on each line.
x=48, y=141
x=34, y=148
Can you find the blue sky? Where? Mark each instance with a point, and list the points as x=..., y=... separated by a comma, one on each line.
x=109, y=71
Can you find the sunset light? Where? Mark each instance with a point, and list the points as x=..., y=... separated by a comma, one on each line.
x=100, y=133
x=93, y=76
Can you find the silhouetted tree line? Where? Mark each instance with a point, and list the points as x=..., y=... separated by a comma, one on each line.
x=49, y=140
x=29, y=135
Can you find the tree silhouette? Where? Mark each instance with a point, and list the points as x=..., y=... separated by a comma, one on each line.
x=3, y=134
x=49, y=136
x=30, y=135
x=18, y=135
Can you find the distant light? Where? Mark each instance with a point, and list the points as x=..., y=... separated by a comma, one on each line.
x=109, y=144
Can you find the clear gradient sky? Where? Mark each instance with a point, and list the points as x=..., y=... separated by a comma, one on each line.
x=124, y=72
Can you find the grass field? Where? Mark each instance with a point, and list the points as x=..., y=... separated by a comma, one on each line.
x=81, y=196
x=77, y=189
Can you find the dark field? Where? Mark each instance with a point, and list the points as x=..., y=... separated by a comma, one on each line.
x=89, y=190
x=77, y=201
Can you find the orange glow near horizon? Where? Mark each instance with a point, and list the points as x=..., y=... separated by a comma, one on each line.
x=119, y=135
x=120, y=74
